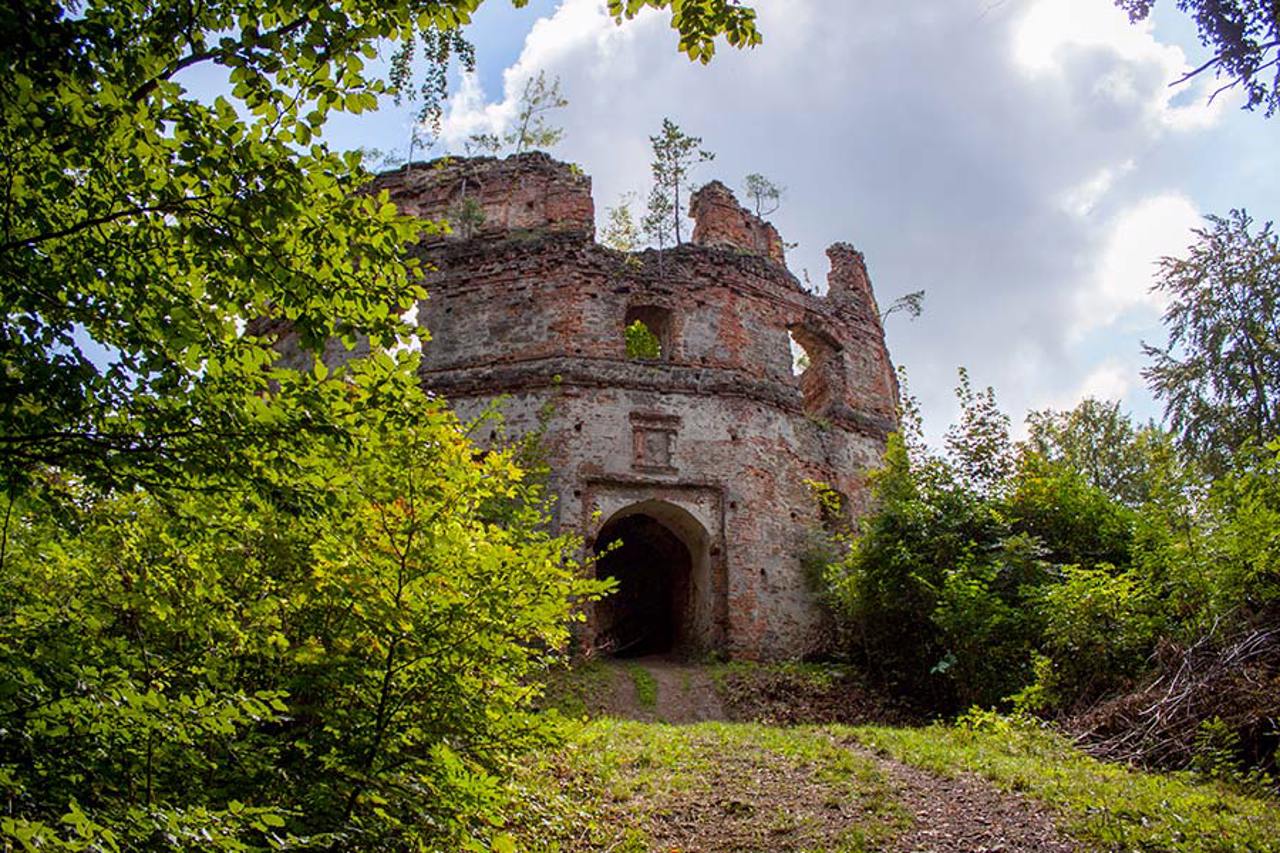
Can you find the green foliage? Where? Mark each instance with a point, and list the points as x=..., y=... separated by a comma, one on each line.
x=1099, y=627
x=644, y=684
x=912, y=304
x=468, y=213
x=537, y=99
x=350, y=677
x=1047, y=572
x=887, y=587
x=621, y=232
x=659, y=210
x=979, y=443
x=764, y=195
x=1215, y=556
x=145, y=228
x=1073, y=522
x=1098, y=441
x=1219, y=756
x=641, y=342
x=699, y=23
x=986, y=624
x=1219, y=373
x=531, y=130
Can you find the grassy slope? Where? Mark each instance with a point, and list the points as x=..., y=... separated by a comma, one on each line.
x=1108, y=806
x=627, y=786
x=614, y=785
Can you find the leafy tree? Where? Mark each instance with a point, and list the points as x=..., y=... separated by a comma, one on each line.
x=1101, y=443
x=979, y=442
x=656, y=221
x=144, y=229
x=1244, y=39
x=350, y=678
x=675, y=153
x=538, y=98
x=531, y=130
x=1219, y=374
x=699, y=24
x=764, y=194
x=1099, y=627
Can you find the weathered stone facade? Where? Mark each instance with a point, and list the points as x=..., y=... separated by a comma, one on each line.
x=695, y=461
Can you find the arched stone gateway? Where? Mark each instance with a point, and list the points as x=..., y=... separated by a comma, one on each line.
x=660, y=556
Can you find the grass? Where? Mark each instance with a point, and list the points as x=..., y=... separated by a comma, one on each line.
x=576, y=691
x=619, y=785
x=1107, y=806
x=645, y=684
x=631, y=786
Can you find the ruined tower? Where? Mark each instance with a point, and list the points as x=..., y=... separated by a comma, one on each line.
x=694, y=463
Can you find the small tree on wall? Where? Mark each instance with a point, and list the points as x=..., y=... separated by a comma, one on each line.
x=764, y=194
x=675, y=153
x=539, y=97
x=620, y=231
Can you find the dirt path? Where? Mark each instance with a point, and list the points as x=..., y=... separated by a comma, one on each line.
x=936, y=814
x=966, y=814
x=683, y=693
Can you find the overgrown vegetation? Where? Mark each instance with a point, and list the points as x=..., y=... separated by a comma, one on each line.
x=1046, y=574
x=1099, y=565
x=641, y=342
x=244, y=605
x=350, y=675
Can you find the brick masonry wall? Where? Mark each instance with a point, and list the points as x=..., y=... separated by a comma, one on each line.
x=717, y=437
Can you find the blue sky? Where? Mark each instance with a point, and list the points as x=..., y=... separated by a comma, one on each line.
x=1025, y=162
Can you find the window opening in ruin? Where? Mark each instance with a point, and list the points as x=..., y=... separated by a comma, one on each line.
x=653, y=568
x=800, y=360
x=815, y=361
x=647, y=331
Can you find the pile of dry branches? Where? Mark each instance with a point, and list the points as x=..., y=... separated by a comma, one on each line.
x=1236, y=680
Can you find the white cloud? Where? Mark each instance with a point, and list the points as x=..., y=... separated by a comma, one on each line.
x=1110, y=381
x=1053, y=32
x=1014, y=162
x=1139, y=237
x=1081, y=199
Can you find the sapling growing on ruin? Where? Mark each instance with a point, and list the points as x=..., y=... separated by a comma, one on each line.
x=531, y=131
x=675, y=153
x=912, y=304
x=621, y=232
x=765, y=195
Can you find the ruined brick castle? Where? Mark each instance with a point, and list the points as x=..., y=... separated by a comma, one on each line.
x=692, y=464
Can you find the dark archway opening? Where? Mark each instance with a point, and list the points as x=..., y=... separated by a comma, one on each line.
x=647, y=614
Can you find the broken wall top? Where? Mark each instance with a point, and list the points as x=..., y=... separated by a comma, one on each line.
x=488, y=197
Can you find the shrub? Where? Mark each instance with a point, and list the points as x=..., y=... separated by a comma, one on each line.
x=1099, y=626
x=214, y=671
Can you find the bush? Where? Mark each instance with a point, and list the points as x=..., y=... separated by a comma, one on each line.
x=1099, y=626
x=214, y=671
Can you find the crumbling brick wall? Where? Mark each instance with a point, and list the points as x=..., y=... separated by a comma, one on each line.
x=715, y=439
